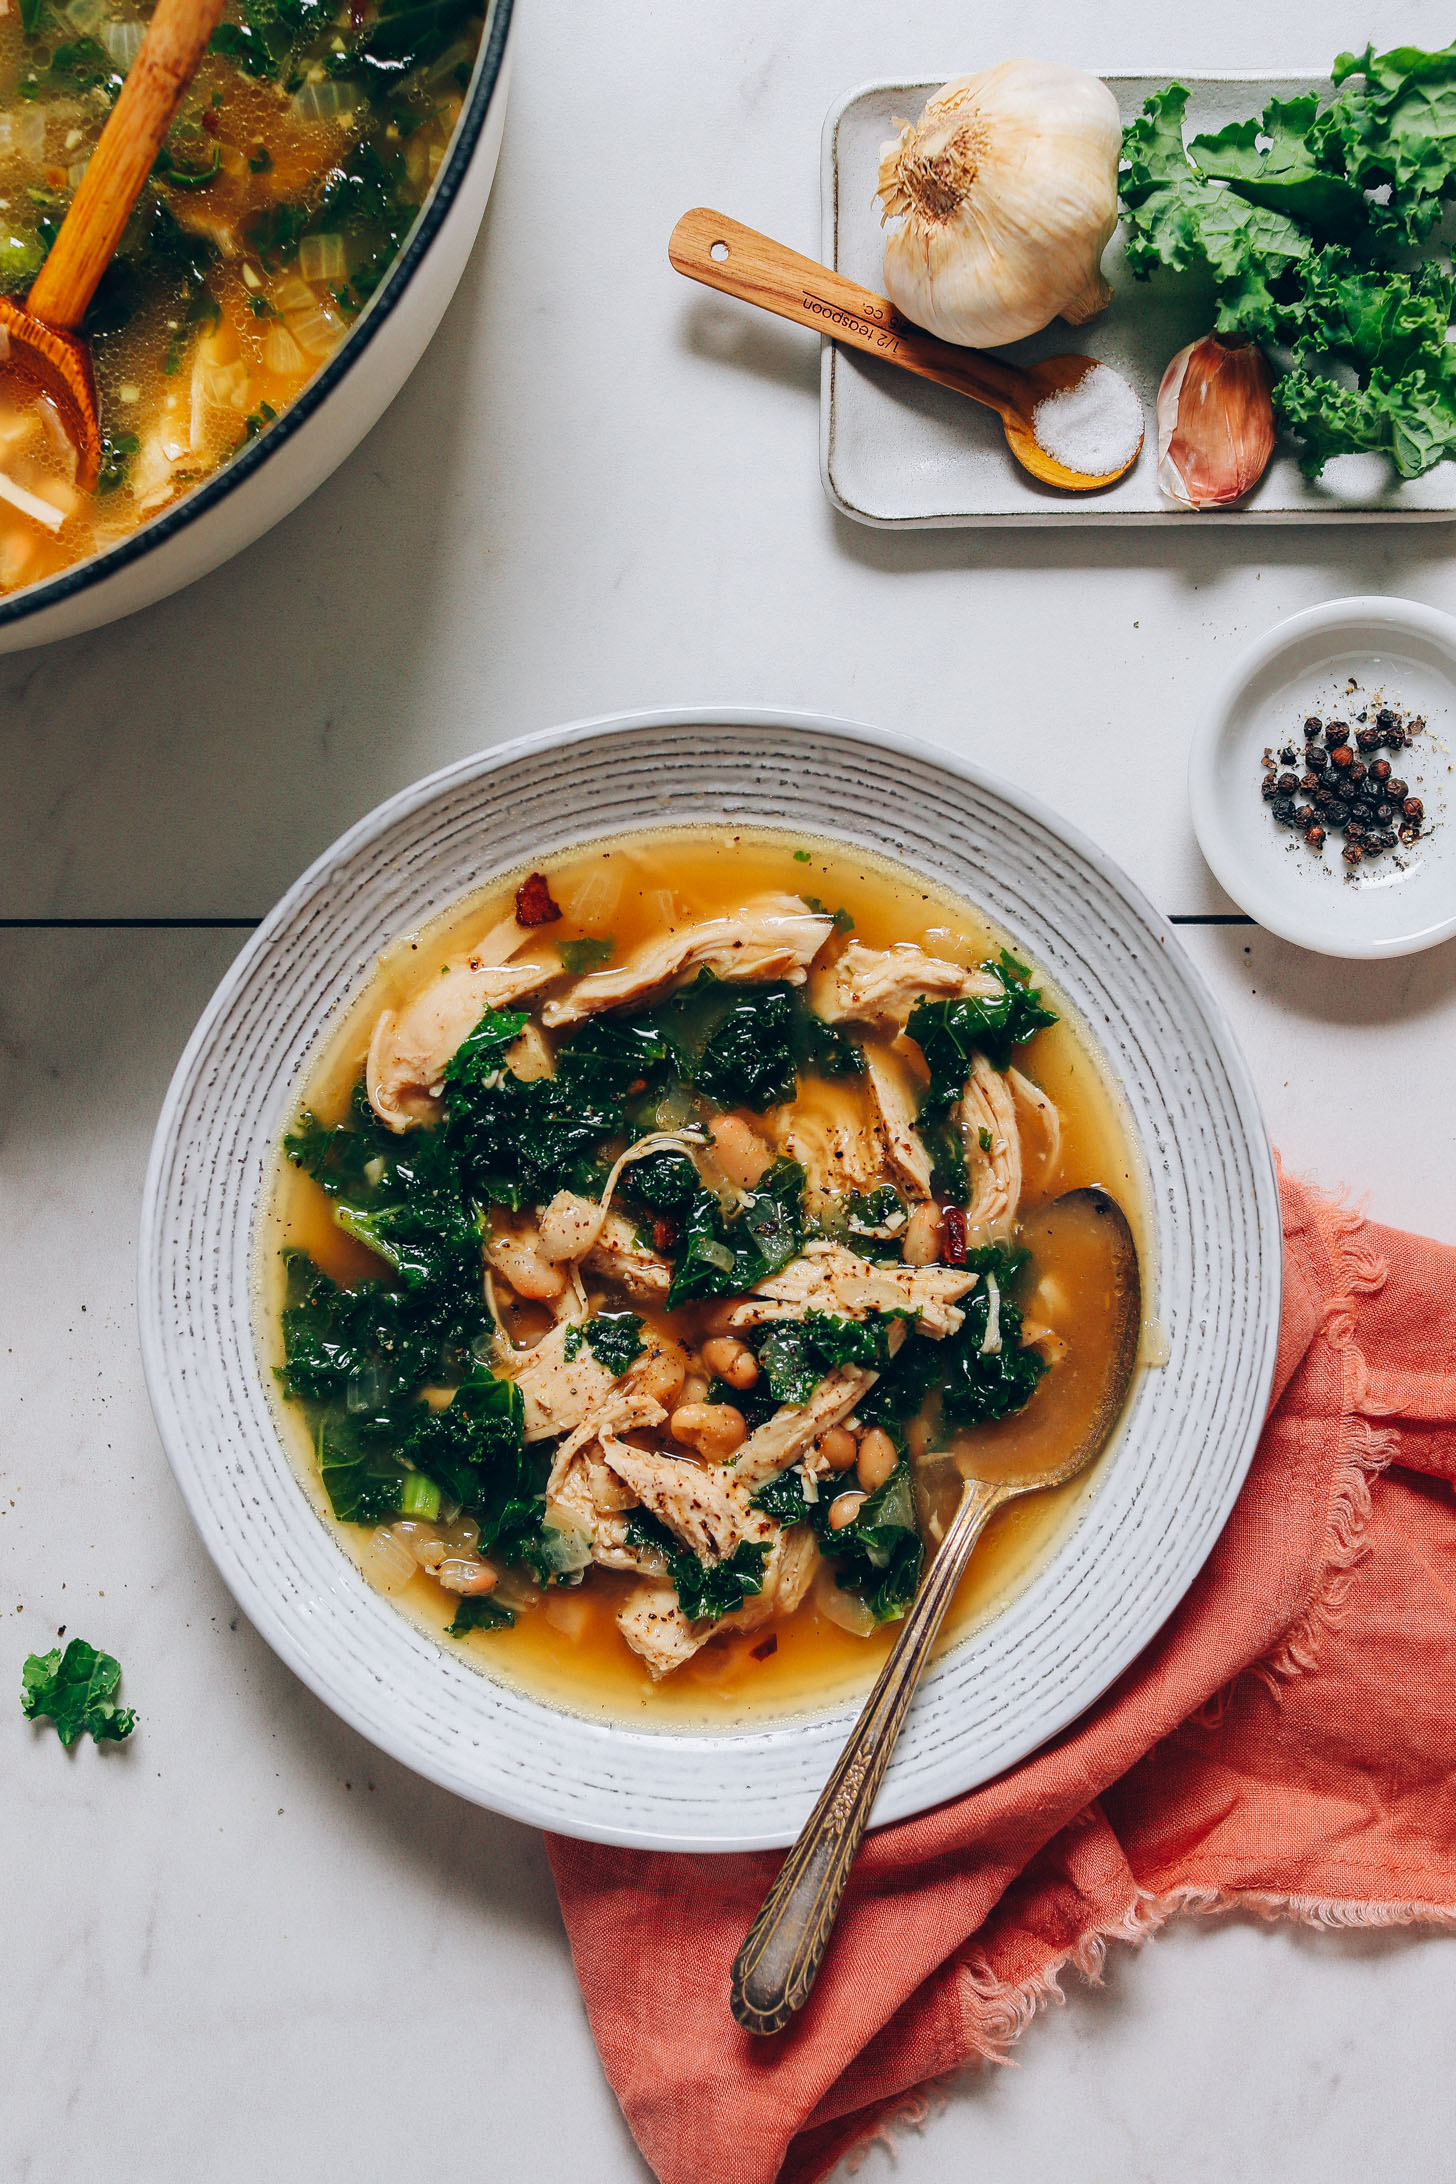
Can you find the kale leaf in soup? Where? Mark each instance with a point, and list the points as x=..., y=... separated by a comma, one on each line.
x=659, y=1299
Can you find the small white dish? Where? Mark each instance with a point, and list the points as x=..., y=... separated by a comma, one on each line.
x=1398, y=653
x=1161, y=1496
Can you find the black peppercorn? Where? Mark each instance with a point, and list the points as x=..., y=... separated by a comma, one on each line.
x=1342, y=758
x=1283, y=810
x=1413, y=808
x=1286, y=756
x=1304, y=815
x=1384, y=813
x=1370, y=792
x=1315, y=836
x=1288, y=783
x=1349, y=790
x=1396, y=791
x=1385, y=718
x=1320, y=758
x=1337, y=735
x=1380, y=771
x=1369, y=739
x=1309, y=784
x=1352, y=852
x=1313, y=726
x=1373, y=845
x=1358, y=769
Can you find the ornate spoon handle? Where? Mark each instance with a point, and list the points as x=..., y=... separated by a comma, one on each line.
x=780, y=1959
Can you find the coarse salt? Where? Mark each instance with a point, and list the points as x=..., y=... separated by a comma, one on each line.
x=1094, y=428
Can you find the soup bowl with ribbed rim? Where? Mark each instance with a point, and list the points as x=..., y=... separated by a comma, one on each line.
x=1163, y=1492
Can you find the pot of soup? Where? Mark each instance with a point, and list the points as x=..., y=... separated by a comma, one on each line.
x=296, y=245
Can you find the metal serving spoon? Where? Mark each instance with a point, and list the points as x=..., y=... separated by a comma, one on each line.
x=709, y=247
x=41, y=341
x=780, y=1959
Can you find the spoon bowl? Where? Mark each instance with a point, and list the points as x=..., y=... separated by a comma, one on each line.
x=776, y=1968
x=41, y=342
x=707, y=246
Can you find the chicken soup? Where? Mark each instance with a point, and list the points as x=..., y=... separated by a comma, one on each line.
x=289, y=182
x=661, y=1239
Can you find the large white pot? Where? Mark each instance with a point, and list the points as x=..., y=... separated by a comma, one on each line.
x=328, y=420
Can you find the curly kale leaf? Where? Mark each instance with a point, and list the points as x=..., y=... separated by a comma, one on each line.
x=1393, y=122
x=879, y=1554
x=951, y=1033
x=782, y=1497
x=706, y=1591
x=719, y=1257
x=76, y=1691
x=477, y=1611
x=362, y=1475
x=663, y=1182
x=748, y=1061
x=795, y=1355
x=1275, y=162
x=615, y=1339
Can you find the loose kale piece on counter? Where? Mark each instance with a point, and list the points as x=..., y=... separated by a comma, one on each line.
x=76, y=1691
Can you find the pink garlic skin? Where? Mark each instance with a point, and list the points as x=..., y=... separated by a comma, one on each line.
x=1215, y=422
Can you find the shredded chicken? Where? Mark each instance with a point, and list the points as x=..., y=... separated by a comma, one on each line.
x=559, y=1392
x=882, y=985
x=993, y=1153
x=707, y=1506
x=583, y=1492
x=1034, y=1106
x=655, y=1627
x=893, y=1093
x=618, y=1255
x=410, y=1047
x=780, y=1440
x=832, y=1141
x=828, y=1278
x=773, y=936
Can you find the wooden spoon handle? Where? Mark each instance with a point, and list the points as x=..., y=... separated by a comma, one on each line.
x=780, y=1959
x=166, y=62
x=759, y=270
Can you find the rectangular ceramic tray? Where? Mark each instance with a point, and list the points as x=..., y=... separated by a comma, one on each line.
x=901, y=454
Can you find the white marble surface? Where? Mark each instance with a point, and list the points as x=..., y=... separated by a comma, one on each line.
x=244, y=1946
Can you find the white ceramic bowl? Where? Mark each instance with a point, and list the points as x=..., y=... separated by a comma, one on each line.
x=329, y=419
x=1161, y=1496
x=1398, y=652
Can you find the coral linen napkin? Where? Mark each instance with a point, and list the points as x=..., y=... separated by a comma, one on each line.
x=1285, y=1743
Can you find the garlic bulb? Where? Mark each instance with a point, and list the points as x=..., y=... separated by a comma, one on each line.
x=1006, y=190
x=1215, y=422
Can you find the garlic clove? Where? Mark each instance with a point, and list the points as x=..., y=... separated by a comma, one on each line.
x=1215, y=422
x=1003, y=197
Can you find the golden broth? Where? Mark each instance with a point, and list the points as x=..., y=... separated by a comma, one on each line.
x=569, y=1651
x=283, y=195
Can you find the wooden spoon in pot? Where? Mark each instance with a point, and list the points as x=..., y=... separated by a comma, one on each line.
x=43, y=343
x=780, y=1959
x=722, y=253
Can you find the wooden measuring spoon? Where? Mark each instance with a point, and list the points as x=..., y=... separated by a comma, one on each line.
x=780, y=1959
x=723, y=254
x=43, y=341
